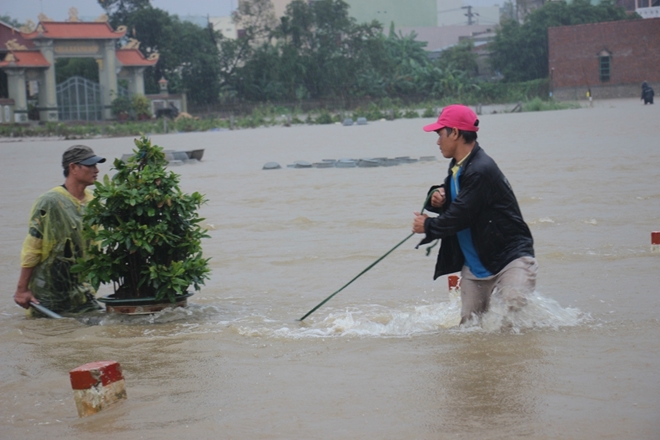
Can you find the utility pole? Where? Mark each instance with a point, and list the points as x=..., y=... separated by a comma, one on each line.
x=469, y=14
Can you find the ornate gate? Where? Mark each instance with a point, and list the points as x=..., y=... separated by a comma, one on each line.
x=79, y=99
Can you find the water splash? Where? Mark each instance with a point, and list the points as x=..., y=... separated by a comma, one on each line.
x=379, y=321
x=191, y=313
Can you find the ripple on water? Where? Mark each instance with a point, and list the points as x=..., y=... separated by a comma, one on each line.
x=379, y=321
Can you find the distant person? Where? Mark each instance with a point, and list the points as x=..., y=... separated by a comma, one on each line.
x=480, y=224
x=590, y=98
x=647, y=93
x=54, y=241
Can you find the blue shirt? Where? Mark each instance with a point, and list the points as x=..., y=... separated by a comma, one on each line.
x=465, y=236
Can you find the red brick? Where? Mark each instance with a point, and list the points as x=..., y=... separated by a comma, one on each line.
x=95, y=373
x=454, y=281
x=655, y=237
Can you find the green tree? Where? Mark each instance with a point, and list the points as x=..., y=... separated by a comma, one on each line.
x=460, y=57
x=520, y=51
x=11, y=21
x=120, y=10
x=188, y=53
x=65, y=68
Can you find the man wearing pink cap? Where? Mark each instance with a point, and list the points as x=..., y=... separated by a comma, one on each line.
x=479, y=221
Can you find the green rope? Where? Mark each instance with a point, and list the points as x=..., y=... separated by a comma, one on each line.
x=428, y=197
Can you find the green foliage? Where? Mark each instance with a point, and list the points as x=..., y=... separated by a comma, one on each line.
x=503, y=92
x=147, y=231
x=121, y=105
x=429, y=113
x=520, y=51
x=65, y=68
x=189, y=57
x=141, y=105
x=538, y=105
x=120, y=10
x=460, y=57
x=11, y=21
x=410, y=113
x=324, y=118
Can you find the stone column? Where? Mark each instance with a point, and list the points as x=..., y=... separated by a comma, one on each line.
x=109, y=77
x=47, y=87
x=17, y=92
x=136, y=86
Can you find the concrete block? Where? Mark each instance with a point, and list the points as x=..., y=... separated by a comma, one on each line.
x=97, y=385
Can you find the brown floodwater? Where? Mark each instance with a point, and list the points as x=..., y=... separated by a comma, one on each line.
x=384, y=358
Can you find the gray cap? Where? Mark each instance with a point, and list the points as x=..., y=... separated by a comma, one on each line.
x=82, y=155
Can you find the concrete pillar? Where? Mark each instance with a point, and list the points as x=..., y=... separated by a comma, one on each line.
x=109, y=77
x=18, y=92
x=136, y=83
x=47, y=87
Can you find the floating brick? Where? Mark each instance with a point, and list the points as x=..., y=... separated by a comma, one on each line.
x=97, y=385
x=454, y=282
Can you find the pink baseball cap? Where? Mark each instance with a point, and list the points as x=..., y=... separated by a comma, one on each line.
x=455, y=116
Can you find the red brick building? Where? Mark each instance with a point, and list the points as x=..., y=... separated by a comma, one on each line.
x=612, y=58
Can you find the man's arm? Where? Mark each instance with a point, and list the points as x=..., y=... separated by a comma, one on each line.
x=23, y=295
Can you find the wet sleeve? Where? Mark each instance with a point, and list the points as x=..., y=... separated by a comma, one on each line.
x=32, y=250
x=463, y=211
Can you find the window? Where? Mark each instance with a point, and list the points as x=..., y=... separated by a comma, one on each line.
x=605, y=68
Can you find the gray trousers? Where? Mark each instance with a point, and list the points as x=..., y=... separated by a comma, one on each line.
x=514, y=283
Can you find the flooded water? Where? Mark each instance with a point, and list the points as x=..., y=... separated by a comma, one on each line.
x=384, y=358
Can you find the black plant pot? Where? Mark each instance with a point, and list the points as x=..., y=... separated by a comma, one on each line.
x=142, y=306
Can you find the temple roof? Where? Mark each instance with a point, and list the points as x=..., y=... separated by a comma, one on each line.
x=13, y=36
x=133, y=57
x=25, y=58
x=65, y=30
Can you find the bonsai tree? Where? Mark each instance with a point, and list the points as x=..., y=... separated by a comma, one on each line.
x=141, y=106
x=147, y=231
x=120, y=107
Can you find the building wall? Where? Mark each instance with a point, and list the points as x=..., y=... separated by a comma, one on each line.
x=225, y=25
x=574, y=51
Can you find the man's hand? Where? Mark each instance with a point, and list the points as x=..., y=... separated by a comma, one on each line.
x=24, y=297
x=438, y=198
x=418, y=223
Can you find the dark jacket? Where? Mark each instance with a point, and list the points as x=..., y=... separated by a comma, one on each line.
x=485, y=204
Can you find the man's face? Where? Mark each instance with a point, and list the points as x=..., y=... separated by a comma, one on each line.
x=85, y=173
x=447, y=143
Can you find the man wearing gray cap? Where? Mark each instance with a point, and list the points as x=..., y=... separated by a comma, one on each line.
x=54, y=241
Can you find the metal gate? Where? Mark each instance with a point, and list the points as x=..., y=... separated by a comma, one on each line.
x=79, y=99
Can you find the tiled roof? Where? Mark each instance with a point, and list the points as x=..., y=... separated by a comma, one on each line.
x=24, y=58
x=8, y=33
x=133, y=57
x=75, y=30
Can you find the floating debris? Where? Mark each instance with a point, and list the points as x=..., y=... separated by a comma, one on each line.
x=174, y=157
x=346, y=163
x=271, y=166
x=366, y=162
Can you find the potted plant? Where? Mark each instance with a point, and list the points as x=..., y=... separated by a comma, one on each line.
x=141, y=106
x=120, y=107
x=148, y=235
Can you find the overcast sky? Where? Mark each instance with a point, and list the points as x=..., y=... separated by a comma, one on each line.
x=23, y=10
